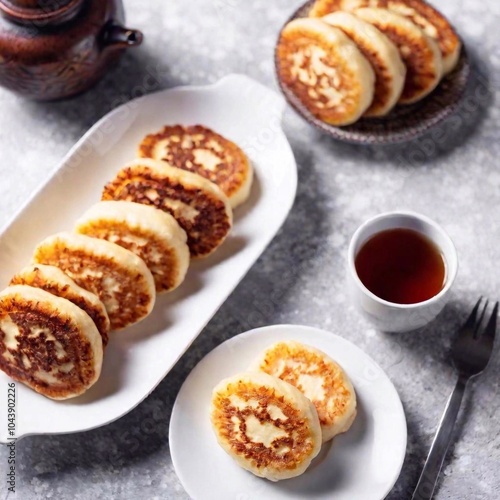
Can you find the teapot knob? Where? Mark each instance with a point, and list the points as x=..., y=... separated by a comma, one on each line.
x=117, y=36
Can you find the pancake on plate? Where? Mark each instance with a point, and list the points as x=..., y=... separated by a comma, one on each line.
x=266, y=425
x=53, y=280
x=48, y=343
x=200, y=150
x=420, y=53
x=325, y=70
x=381, y=53
x=318, y=377
x=197, y=204
x=425, y=16
x=153, y=235
x=117, y=276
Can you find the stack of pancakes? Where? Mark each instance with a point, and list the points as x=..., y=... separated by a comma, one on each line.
x=173, y=204
x=360, y=58
x=273, y=418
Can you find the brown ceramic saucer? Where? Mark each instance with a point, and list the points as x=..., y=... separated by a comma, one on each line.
x=403, y=123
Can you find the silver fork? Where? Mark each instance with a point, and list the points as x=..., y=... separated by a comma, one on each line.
x=470, y=355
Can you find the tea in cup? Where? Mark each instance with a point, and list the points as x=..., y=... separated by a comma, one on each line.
x=401, y=266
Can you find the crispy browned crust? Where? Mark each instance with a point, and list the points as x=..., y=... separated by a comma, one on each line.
x=323, y=7
x=178, y=146
x=298, y=433
x=445, y=35
x=41, y=352
x=133, y=299
x=417, y=56
x=334, y=386
x=141, y=184
x=164, y=268
x=448, y=41
x=383, y=81
x=36, y=280
x=383, y=78
x=299, y=43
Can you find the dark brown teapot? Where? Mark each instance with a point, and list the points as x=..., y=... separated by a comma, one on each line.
x=50, y=49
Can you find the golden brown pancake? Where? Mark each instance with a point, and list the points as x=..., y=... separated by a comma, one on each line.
x=53, y=280
x=318, y=377
x=117, y=276
x=430, y=20
x=202, y=151
x=153, y=235
x=197, y=204
x=381, y=53
x=266, y=425
x=325, y=70
x=48, y=343
x=424, y=64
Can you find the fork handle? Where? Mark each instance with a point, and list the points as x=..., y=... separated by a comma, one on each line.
x=432, y=468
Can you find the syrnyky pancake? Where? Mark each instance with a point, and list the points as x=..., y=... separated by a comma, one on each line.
x=202, y=151
x=53, y=280
x=48, y=343
x=318, y=377
x=424, y=15
x=266, y=425
x=153, y=235
x=117, y=276
x=326, y=72
x=420, y=53
x=381, y=53
x=197, y=204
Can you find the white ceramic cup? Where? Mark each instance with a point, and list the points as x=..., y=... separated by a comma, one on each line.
x=389, y=316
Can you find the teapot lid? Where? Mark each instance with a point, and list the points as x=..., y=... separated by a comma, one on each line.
x=40, y=13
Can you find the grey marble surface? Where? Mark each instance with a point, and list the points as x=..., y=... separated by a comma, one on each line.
x=300, y=277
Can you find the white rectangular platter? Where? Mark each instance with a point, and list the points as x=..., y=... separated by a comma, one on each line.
x=138, y=358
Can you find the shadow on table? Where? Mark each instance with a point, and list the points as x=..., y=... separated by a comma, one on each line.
x=411, y=467
x=440, y=334
x=419, y=446
x=328, y=473
x=290, y=255
x=136, y=74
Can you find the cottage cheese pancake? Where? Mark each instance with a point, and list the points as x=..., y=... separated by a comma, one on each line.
x=266, y=425
x=53, y=280
x=197, y=204
x=48, y=343
x=153, y=235
x=318, y=377
x=117, y=276
x=325, y=70
x=420, y=53
x=383, y=56
x=426, y=17
x=200, y=150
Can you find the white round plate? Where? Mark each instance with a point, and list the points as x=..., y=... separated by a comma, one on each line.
x=362, y=464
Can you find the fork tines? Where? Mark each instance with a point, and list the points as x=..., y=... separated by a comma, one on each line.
x=490, y=329
x=473, y=323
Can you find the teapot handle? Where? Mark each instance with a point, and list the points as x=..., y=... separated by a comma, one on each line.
x=115, y=35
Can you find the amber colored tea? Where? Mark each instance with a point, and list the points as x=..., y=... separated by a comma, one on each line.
x=401, y=266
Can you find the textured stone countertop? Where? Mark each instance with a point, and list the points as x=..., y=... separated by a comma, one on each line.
x=455, y=181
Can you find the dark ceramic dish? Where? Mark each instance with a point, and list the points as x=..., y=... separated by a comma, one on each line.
x=403, y=123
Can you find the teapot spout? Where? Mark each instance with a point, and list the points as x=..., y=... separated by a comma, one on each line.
x=117, y=36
